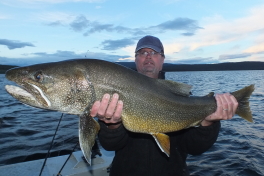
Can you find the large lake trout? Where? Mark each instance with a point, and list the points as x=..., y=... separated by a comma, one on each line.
x=151, y=106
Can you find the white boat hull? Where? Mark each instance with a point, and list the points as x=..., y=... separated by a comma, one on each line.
x=75, y=166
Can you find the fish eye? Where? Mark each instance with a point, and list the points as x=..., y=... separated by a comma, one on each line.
x=38, y=76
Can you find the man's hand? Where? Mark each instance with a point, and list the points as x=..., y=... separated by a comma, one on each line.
x=110, y=113
x=226, y=108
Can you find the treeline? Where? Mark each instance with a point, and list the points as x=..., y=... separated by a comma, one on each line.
x=206, y=67
x=3, y=68
x=217, y=67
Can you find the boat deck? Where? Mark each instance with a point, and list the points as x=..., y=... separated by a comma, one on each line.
x=75, y=166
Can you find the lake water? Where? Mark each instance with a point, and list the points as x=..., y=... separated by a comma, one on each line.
x=26, y=133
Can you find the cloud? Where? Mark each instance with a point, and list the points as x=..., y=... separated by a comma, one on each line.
x=218, y=30
x=59, y=55
x=188, y=34
x=56, y=23
x=184, y=24
x=234, y=56
x=194, y=60
x=17, y=61
x=81, y=23
x=168, y=2
x=55, y=18
x=258, y=45
x=97, y=27
x=10, y=2
x=117, y=44
x=223, y=37
x=13, y=44
x=4, y=16
x=258, y=48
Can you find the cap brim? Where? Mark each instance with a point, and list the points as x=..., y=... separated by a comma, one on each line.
x=151, y=47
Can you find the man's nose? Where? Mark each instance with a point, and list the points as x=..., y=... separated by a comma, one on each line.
x=148, y=55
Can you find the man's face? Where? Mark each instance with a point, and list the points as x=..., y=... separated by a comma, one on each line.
x=149, y=65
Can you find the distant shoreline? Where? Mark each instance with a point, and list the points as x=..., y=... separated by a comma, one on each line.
x=167, y=67
x=4, y=68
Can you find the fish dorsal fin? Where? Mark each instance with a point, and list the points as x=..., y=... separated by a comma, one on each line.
x=177, y=87
x=163, y=142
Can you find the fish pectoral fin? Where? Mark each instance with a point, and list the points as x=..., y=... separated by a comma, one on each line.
x=163, y=142
x=88, y=129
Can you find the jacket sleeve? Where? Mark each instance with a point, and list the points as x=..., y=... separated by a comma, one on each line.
x=197, y=140
x=112, y=139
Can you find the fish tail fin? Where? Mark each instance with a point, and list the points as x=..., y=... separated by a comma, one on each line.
x=242, y=96
x=163, y=142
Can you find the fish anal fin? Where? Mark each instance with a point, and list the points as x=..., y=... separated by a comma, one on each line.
x=163, y=142
x=88, y=129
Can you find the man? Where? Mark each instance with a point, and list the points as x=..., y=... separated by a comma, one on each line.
x=138, y=154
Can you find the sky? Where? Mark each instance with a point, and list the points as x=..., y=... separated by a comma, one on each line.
x=192, y=32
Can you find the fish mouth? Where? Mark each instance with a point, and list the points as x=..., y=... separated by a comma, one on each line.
x=31, y=95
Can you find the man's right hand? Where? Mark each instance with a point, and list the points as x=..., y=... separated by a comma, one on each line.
x=110, y=113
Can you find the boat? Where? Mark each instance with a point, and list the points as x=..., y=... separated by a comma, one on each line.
x=75, y=166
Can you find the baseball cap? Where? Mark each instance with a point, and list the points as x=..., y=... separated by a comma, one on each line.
x=150, y=42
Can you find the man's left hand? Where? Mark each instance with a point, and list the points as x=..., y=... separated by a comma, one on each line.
x=226, y=108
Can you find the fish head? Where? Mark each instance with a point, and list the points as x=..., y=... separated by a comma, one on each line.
x=55, y=86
